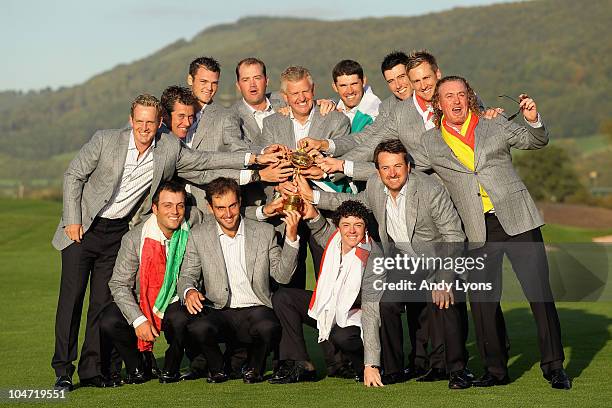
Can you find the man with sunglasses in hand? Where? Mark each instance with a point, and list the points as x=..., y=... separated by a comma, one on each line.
x=472, y=158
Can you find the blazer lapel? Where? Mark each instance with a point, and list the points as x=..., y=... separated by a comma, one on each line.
x=159, y=163
x=287, y=133
x=444, y=150
x=249, y=121
x=479, y=139
x=316, y=125
x=412, y=203
x=120, y=153
x=202, y=129
x=380, y=210
x=250, y=249
x=217, y=252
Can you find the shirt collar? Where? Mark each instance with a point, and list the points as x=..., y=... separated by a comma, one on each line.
x=307, y=120
x=132, y=142
x=402, y=191
x=253, y=111
x=239, y=232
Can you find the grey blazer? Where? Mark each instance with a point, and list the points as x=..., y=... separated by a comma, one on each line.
x=264, y=259
x=208, y=137
x=125, y=281
x=278, y=128
x=95, y=172
x=430, y=214
x=370, y=310
x=242, y=133
x=494, y=138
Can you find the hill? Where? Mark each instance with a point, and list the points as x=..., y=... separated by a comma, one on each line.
x=558, y=51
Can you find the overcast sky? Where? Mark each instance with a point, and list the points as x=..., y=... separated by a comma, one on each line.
x=65, y=42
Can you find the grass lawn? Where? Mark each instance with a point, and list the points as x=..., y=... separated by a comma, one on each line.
x=30, y=271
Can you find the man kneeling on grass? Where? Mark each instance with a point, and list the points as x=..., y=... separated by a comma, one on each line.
x=336, y=307
x=143, y=286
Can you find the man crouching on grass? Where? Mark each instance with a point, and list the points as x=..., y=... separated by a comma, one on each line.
x=336, y=307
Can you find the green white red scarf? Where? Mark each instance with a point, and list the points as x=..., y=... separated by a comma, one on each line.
x=159, y=271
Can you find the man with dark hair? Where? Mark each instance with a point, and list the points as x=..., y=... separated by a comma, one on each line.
x=473, y=159
x=234, y=259
x=105, y=184
x=178, y=112
x=357, y=101
x=393, y=69
x=143, y=286
x=413, y=211
x=338, y=309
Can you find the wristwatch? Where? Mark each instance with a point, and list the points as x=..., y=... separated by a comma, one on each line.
x=255, y=177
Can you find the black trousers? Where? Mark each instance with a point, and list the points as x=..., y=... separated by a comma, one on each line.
x=446, y=329
x=92, y=260
x=291, y=307
x=256, y=326
x=117, y=332
x=528, y=258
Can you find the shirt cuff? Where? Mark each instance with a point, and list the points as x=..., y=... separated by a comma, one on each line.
x=295, y=244
x=315, y=219
x=316, y=197
x=247, y=159
x=139, y=320
x=536, y=124
x=331, y=148
x=245, y=176
x=348, y=168
x=260, y=214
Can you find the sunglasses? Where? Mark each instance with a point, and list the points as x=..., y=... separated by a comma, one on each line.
x=513, y=100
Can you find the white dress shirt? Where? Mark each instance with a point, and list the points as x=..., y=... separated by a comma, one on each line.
x=300, y=131
x=135, y=182
x=241, y=291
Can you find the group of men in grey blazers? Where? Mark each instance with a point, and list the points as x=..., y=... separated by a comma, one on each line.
x=117, y=173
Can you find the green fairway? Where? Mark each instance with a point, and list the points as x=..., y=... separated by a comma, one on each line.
x=30, y=277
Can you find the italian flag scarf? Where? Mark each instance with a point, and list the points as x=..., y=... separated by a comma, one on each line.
x=338, y=286
x=159, y=271
x=462, y=145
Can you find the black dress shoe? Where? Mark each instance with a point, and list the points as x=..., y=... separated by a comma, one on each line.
x=63, y=383
x=393, y=378
x=434, y=374
x=216, y=378
x=413, y=372
x=293, y=372
x=138, y=376
x=459, y=380
x=166, y=377
x=192, y=375
x=251, y=376
x=343, y=371
x=114, y=380
x=489, y=380
x=98, y=381
x=559, y=380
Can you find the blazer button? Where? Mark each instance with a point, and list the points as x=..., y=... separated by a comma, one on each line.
x=478, y=194
x=475, y=173
x=226, y=289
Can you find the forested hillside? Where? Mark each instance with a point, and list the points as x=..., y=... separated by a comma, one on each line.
x=557, y=51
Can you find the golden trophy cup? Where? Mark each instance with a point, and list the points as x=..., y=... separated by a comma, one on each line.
x=293, y=202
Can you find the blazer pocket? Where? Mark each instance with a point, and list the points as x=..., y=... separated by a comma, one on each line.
x=515, y=186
